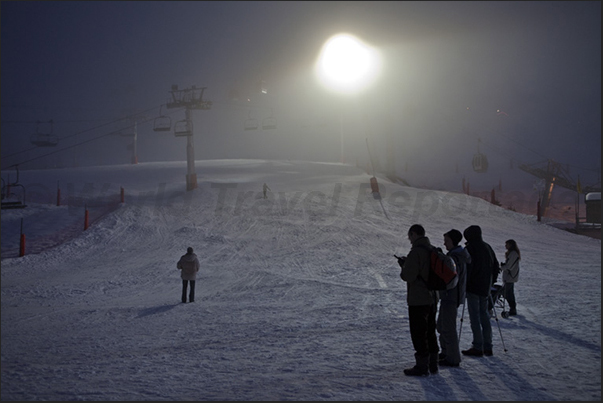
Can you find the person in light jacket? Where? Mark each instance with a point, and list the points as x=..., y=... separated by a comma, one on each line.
x=188, y=266
x=510, y=274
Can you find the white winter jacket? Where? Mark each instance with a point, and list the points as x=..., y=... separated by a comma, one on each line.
x=189, y=266
x=510, y=268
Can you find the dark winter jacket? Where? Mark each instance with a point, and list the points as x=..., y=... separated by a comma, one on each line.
x=483, y=269
x=189, y=266
x=457, y=294
x=415, y=269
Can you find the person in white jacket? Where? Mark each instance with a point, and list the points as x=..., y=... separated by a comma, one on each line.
x=188, y=266
x=510, y=274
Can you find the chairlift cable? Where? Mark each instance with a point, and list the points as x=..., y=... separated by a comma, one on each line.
x=84, y=131
x=81, y=142
x=498, y=132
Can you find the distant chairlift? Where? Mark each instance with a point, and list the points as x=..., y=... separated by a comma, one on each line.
x=10, y=198
x=269, y=123
x=183, y=128
x=44, y=139
x=162, y=123
x=251, y=123
x=480, y=162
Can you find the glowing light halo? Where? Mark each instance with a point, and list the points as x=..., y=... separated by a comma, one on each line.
x=347, y=65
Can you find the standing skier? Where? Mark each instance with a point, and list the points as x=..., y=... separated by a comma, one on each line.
x=482, y=272
x=188, y=266
x=450, y=301
x=265, y=188
x=422, y=304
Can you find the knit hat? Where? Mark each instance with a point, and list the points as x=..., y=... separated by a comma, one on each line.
x=189, y=250
x=455, y=236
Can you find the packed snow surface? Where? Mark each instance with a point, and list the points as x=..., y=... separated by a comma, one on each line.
x=298, y=298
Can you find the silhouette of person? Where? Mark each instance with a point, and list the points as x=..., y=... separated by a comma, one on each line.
x=188, y=266
x=265, y=189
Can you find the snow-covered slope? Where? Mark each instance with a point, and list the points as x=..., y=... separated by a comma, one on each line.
x=298, y=297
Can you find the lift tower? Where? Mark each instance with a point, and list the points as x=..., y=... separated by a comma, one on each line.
x=555, y=174
x=190, y=99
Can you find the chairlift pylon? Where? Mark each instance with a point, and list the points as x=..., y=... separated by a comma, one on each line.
x=183, y=128
x=480, y=161
x=162, y=123
x=44, y=139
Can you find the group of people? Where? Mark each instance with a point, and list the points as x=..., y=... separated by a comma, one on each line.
x=477, y=271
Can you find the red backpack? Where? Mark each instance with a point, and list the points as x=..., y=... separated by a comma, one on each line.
x=442, y=270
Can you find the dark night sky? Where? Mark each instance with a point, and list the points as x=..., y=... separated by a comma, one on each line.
x=450, y=68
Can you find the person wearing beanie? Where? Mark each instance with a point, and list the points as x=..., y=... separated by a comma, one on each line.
x=450, y=300
x=188, y=266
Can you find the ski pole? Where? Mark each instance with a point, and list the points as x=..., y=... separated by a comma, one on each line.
x=462, y=316
x=498, y=324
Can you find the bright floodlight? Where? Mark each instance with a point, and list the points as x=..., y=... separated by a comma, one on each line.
x=347, y=65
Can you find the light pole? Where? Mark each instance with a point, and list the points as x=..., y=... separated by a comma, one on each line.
x=134, y=146
x=346, y=65
x=341, y=158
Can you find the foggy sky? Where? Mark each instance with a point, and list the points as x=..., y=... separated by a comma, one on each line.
x=524, y=77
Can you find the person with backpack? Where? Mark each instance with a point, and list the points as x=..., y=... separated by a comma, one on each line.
x=510, y=274
x=482, y=272
x=422, y=303
x=188, y=266
x=450, y=301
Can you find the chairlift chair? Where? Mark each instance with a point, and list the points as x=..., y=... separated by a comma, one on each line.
x=44, y=139
x=162, y=123
x=480, y=163
x=11, y=199
x=269, y=123
x=251, y=123
x=183, y=128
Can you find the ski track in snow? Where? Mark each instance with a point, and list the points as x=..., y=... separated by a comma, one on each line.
x=296, y=300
